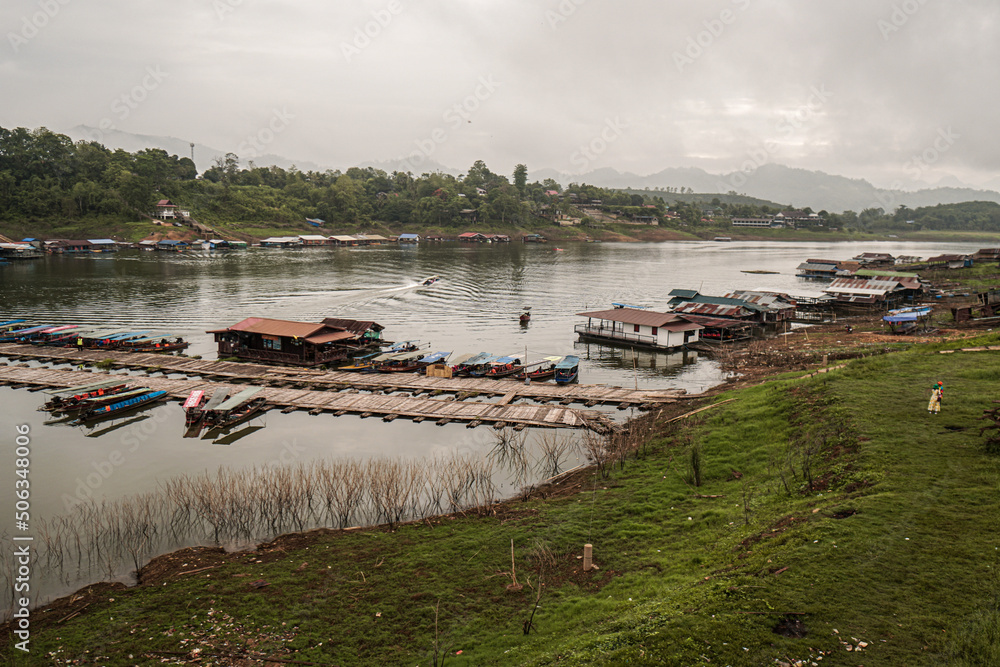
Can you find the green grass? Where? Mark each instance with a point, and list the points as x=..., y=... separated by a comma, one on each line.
x=895, y=546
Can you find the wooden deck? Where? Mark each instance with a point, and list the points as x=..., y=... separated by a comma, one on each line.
x=281, y=376
x=442, y=411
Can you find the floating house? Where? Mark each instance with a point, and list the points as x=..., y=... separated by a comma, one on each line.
x=103, y=245
x=296, y=343
x=408, y=238
x=313, y=240
x=171, y=245
x=534, y=238
x=10, y=251
x=343, y=240
x=826, y=269
x=639, y=328
x=281, y=242
x=473, y=237
x=67, y=247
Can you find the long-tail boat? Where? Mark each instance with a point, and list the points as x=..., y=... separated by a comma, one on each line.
x=236, y=409
x=23, y=333
x=76, y=400
x=502, y=367
x=106, y=399
x=543, y=369
x=362, y=363
x=405, y=362
x=194, y=407
x=476, y=360
x=156, y=344
x=107, y=411
x=568, y=369
x=194, y=418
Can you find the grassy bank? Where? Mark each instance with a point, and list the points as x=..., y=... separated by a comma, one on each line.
x=833, y=507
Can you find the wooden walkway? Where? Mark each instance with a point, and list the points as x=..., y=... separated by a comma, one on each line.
x=440, y=410
x=283, y=376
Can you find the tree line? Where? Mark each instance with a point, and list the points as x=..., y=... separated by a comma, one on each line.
x=46, y=176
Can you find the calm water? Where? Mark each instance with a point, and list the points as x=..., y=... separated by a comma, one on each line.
x=474, y=307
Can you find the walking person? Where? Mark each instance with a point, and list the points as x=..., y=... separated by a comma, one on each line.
x=937, y=393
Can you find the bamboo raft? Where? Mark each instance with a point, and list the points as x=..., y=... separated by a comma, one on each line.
x=442, y=411
x=280, y=376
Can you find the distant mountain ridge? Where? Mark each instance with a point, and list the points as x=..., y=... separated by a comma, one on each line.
x=796, y=187
x=793, y=186
x=204, y=156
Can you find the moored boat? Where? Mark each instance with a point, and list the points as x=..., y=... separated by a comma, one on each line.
x=194, y=406
x=525, y=317
x=404, y=362
x=568, y=369
x=543, y=369
x=236, y=409
x=464, y=366
x=503, y=367
x=71, y=400
x=102, y=412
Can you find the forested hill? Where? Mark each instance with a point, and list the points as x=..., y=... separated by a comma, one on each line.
x=44, y=176
x=47, y=180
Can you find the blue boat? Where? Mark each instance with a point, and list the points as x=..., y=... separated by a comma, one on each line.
x=107, y=411
x=567, y=370
x=463, y=367
x=10, y=323
x=478, y=368
x=23, y=334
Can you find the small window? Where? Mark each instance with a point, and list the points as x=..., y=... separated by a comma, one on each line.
x=636, y=328
x=654, y=330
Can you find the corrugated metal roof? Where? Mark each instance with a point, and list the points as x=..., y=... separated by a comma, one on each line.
x=717, y=323
x=357, y=326
x=711, y=309
x=649, y=318
x=269, y=327
x=330, y=337
x=861, y=286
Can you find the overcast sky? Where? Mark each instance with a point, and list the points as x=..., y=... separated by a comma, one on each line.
x=879, y=89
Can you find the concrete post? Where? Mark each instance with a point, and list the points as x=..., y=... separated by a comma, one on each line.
x=588, y=557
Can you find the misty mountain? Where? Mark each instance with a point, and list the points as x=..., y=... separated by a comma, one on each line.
x=795, y=187
x=204, y=156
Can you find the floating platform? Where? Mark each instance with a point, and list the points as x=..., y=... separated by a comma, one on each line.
x=283, y=376
x=442, y=411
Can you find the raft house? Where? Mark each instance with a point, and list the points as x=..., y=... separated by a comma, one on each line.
x=296, y=343
x=639, y=328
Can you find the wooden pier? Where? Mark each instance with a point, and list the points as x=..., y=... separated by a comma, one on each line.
x=287, y=377
x=441, y=410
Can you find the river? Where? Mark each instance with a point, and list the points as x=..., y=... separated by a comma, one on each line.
x=474, y=307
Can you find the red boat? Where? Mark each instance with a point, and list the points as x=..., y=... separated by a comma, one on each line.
x=79, y=400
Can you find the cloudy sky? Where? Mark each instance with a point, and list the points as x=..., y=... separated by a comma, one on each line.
x=889, y=90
